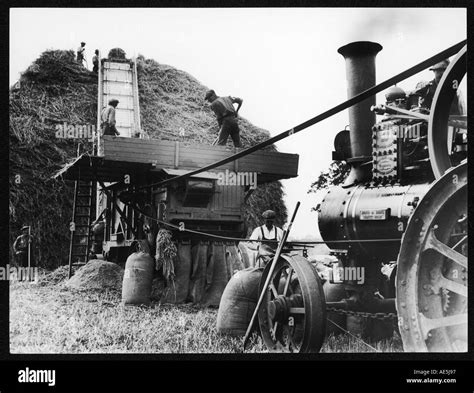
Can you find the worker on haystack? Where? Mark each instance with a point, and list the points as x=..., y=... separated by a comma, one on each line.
x=81, y=52
x=95, y=61
x=268, y=231
x=20, y=247
x=226, y=115
x=107, y=118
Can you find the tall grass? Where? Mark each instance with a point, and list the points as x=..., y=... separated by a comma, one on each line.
x=50, y=318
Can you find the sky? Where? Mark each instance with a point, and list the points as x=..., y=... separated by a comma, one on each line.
x=282, y=62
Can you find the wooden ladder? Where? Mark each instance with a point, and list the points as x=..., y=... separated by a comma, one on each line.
x=83, y=212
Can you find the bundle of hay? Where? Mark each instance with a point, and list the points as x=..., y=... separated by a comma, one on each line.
x=166, y=253
x=57, y=89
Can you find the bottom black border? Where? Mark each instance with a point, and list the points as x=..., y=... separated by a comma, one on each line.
x=247, y=376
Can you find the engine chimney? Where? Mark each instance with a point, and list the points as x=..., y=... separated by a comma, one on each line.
x=360, y=75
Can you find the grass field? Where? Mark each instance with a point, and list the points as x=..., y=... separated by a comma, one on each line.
x=50, y=318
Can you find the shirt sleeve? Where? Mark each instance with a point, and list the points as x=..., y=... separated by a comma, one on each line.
x=256, y=235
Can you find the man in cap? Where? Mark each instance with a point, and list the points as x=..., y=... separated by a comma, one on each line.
x=426, y=90
x=226, y=115
x=269, y=235
x=20, y=247
x=81, y=52
x=95, y=61
x=107, y=118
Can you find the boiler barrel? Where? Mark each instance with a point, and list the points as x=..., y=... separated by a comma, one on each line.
x=366, y=213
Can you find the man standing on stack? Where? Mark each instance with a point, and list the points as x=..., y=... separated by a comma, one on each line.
x=226, y=115
x=81, y=52
x=95, y=61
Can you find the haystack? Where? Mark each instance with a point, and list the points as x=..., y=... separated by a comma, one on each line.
x=57, y=89
x=97, y=274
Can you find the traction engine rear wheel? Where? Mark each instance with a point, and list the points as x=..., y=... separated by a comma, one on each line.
x=292, y=317
x=432, y=269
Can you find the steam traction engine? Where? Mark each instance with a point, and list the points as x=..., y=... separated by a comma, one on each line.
x=403, y=204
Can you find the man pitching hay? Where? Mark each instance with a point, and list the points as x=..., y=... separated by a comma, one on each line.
x=226, y=115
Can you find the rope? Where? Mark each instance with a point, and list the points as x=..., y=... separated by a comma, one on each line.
x=330, y=112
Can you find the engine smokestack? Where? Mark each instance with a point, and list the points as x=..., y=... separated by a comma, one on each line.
x=360, y=75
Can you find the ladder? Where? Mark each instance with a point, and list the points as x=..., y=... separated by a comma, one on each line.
x=82, y=215
x=82, y=218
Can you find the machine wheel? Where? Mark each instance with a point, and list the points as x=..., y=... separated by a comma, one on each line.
x=440, y=156
x=293, y=313
x=432, y=269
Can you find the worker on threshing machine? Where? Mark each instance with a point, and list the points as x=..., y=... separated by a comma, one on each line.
x=20, y=247
x=107, y=118
x=268, y=231
x=226, y=115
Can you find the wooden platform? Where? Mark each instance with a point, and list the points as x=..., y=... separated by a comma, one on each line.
x=270, y=166
x=133, y=156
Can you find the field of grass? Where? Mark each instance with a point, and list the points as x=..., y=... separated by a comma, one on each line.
x=50, y=318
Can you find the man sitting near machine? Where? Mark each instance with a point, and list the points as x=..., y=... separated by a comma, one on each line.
x=266, y=249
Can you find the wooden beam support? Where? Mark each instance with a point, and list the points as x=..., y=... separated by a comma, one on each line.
x=117, y=207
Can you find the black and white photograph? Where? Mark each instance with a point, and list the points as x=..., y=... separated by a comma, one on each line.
x=238, y=182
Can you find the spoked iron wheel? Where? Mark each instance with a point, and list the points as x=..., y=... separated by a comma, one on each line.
x=432, y=269
x=292, y=317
